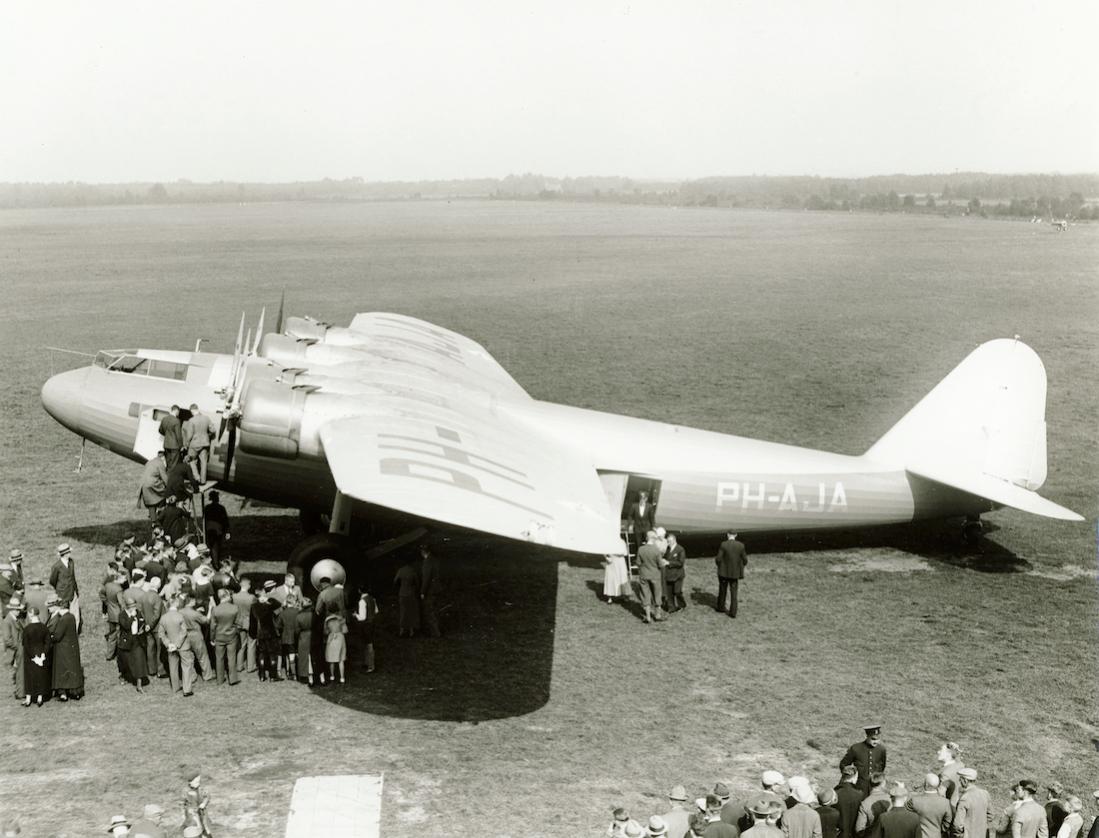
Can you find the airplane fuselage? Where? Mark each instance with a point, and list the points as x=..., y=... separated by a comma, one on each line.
x=708, y=482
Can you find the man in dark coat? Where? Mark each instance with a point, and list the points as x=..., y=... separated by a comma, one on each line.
x=7, y=587
x=429, y=589
x=829, y=814
x=867, y=756
x=172, y=431
x=111, y=606
x=674, y=574
x=11, y=633
x=898, y=821
x=63, y=575
x=263, y=627
x=642, y=516
x=175, y=519
x=848, y=798
x=215, y=520
x=68, y=674
x=179, y=480
x=731, y=560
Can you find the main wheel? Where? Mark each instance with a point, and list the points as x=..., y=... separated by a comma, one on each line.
x=318, y=556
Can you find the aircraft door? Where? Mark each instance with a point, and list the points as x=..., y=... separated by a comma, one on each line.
x=148, y=441
x=635, y=485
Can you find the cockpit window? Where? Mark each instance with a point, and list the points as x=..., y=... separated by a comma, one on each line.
x=128, y=362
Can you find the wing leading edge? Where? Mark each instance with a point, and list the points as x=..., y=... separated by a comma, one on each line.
x=468, y=466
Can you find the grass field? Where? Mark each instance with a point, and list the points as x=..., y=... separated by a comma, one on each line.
x=542, y=708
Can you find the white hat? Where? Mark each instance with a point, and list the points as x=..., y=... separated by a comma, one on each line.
x=772, y=778
x=968, y=773
x=803, y=794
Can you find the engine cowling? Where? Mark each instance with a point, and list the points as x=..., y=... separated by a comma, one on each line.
x=270, y=420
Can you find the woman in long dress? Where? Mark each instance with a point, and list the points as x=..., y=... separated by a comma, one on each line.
x=616, y=576
x=305, y=641
x=335, y=645
x=68, y=674
x=37, y=680
x=132, y=630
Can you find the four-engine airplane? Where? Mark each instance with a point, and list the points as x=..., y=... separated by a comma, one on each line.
x=399, y=420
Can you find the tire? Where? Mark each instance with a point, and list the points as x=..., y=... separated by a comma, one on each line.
x=315, y=548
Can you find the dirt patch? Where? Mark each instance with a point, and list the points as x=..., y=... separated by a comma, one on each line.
x=881, y=564
x=1066, y=573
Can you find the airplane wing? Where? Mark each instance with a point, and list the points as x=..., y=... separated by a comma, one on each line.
x=466, y=465
x=410, y=339
x=996, y=490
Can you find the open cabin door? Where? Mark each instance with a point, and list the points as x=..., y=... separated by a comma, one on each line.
x=148, y=441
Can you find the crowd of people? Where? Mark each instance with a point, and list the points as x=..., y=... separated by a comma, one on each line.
x=866, y=803
x=169, y=610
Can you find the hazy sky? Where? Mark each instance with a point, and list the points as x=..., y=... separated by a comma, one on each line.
x=118, y=91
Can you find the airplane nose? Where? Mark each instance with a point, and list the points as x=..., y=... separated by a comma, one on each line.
x=63, y=397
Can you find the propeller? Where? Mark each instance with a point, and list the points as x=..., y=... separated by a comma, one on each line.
x=245, y=348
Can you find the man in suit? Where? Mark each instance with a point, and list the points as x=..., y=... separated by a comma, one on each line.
x=215, y=518
x=197, y=434
x=650, y=565
x=934, y=809
x=867, y=756
x=172, y=431
x=7, y=586
x=674, y=574
x=642, y=516
x=1029, y=818
x=731, y=560
x=63, y=581
x=246, y=652
x=172, y=632
x=973, y=815
x=154, y=485
x=848, y=798
x=223, y=631
x=898, y=821
x=874, y=806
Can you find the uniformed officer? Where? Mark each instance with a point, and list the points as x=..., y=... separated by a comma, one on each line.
x=867, y=756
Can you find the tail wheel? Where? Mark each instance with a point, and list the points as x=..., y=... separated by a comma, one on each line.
x=972, y=530
x=320, y=555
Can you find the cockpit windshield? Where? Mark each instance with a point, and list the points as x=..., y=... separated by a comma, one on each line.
x=128, y=361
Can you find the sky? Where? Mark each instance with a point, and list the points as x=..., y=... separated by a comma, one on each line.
x=270, y=91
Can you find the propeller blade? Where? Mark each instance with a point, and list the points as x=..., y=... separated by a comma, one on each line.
x=240, y=335
x=278, y=320
x=259, y=332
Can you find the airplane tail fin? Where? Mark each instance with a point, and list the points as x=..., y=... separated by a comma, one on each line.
x=982, y=429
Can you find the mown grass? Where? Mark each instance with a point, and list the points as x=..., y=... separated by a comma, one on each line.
x=542, y=708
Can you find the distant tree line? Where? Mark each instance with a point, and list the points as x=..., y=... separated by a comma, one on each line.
x=1034, y=195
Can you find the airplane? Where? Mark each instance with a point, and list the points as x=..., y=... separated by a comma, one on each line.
x=399, y=421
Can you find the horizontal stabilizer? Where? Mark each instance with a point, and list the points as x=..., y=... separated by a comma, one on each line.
x=996, y=490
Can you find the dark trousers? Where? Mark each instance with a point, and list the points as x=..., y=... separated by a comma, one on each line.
x=724, y=583
x=267, y=657
x=171, y=457
x=673, y=594
x=225, y=660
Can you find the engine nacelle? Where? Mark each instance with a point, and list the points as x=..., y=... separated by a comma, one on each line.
x=270, y=421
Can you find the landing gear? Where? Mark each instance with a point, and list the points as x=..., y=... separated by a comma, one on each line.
x=321, y=555
x=972, y=530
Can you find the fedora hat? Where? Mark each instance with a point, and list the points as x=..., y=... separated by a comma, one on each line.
x=657, y=826
x=679, y=793
x=117, y=821
x=761, y=807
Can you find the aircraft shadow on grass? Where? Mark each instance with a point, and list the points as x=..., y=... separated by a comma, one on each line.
x=935, y=541
x=497, y=613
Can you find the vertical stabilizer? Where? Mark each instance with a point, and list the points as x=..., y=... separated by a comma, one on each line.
x=986, y=418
